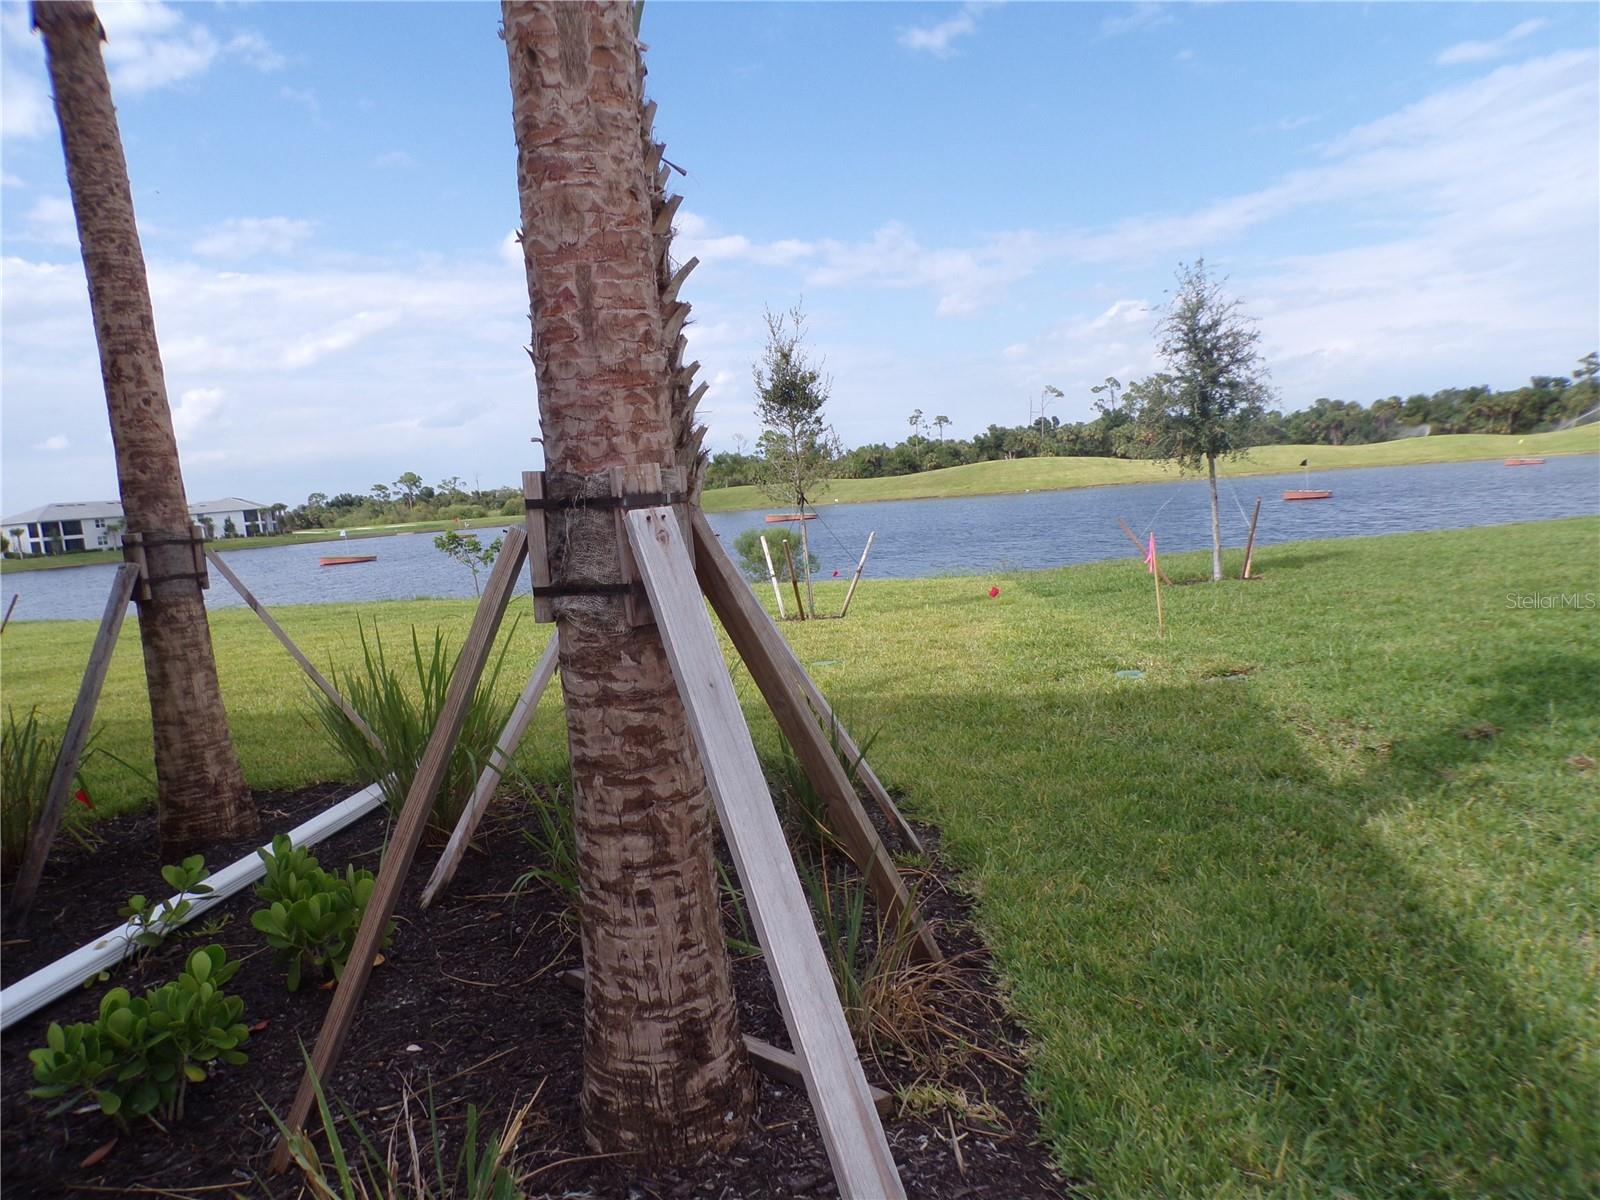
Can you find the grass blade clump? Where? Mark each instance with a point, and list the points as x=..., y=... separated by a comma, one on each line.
x=402, y=707
x=27, y=761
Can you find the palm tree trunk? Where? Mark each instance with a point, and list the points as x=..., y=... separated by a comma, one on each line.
x=1216, y=524
x=201, y=791
x=665, y=1074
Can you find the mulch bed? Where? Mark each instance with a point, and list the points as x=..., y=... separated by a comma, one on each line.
x=469, y=1002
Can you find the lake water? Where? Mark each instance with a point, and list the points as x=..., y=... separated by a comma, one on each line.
x=979, y=535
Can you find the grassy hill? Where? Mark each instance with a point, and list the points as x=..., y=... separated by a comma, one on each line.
x=1054, y=474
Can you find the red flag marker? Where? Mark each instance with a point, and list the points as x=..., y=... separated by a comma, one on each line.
x=82, y=797
x=993, y=592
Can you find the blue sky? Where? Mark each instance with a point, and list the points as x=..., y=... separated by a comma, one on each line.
x=973, y=200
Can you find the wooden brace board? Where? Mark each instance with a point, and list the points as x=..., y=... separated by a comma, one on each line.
x=505, y=747
x=326, y=688
x=851, y=1130
x=767, y=656
x=74, y=739
x=407, y=834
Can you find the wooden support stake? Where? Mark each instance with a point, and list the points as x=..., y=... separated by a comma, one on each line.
x=326, y=688
x=799, y=604
x=781, y=1066
x=764, y=651
x=1139, y=546
x=538, y=552
x=777, y=592
x=851, y=1131
x=73, y=740
x=1250, y=543
x=856, y=578
x=10, y=608
x=712, y=552
x=407, y=834
x=504, y=748
x=1155, y=570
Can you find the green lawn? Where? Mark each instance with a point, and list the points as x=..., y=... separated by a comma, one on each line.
x=1310, y=909
x=1047, y=474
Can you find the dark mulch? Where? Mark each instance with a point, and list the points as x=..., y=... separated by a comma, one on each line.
x=470, y=1003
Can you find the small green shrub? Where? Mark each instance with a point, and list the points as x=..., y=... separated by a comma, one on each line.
x=141, y=1054
x=402, y=712
x=468, y=550
x=747, y=552
x=150, y=921
x=312, y=915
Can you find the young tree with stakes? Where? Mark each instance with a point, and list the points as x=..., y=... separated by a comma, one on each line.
x=666, y=1077
x=1215, y=387
x=201, y=794
x=799, y=452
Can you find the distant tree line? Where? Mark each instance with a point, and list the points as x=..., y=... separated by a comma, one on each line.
x=1123, y=427
x=407, y=499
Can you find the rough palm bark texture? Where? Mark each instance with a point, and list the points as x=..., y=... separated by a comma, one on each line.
x=683, y=397
x=202, y=794
x=665, y=1075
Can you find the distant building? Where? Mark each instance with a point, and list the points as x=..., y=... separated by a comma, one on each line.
x=80, y=525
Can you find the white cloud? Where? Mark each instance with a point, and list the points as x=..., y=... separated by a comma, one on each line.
x=195, y=407
x=1184, y=55
x=51, y=222
x=304, y=97
x=255, y=51
x=342, y=336
x=938, y=39
x=694, y=239
x=1138, y=18
x=1290, y=124
x=149, y=45
x=511, y=250
x=1472, y=52
x=394, y=158
x=11, y=181
x=55, y=443
x=25, y=108
x=248, y=237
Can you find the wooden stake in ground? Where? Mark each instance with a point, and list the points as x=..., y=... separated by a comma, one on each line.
x=851, y=1132
x=856, y=578
x=707, y=547
x=73, y=740
x=326, y=688
x=766, y=552
x=505, y=748
x=788, y=554
x=201, y=794
x=1250, y=543
x=407, y=835
x=10, y=608
x=1154, y=564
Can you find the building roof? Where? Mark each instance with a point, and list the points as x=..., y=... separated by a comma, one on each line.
x=72, y=510
x=100, y=510
x=226, y=504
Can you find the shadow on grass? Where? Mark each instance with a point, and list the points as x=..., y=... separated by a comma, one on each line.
x=1234, y=984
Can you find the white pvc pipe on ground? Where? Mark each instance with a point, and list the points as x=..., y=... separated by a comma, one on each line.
x=65, y=974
